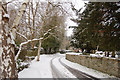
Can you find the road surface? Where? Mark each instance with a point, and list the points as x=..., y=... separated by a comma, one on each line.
x=78, y=74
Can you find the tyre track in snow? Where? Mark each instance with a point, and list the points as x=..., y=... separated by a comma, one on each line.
x=78, y=74
x=57, y=74
x=55, y=71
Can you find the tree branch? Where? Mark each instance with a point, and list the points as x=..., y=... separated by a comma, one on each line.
x=22, y=35
x=23, y=43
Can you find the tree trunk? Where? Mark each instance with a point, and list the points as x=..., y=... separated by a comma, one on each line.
x=105, y=53
x=45, y=50
x=0, y=35
x=34, y=14
x=33, y=34
x=39, y=48
x=18, y=17
x=113, y=54
x=108, y=53
x=97, y=48
x=50, y=50
x=8, y=65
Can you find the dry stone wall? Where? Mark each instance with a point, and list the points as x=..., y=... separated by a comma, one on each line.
x=107, y=65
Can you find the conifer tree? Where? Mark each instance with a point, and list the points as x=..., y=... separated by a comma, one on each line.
x=98, y=25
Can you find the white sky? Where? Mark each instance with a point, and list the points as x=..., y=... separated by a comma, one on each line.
x=78, y=4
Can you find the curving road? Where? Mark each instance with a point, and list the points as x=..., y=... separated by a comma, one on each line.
x=55, y=71
x=78, y=74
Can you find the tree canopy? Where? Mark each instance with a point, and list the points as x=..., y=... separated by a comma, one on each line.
x=98, y=25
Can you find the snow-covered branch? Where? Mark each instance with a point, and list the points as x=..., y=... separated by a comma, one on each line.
x=49, y=30
x=9, y=2
x=22, y=35
x=23, y=43
x=46, y=37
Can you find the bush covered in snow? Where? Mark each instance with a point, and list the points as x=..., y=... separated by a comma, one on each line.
x=21, y=65
x=24, y=64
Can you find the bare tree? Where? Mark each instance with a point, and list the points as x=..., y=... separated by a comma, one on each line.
x=33, y=14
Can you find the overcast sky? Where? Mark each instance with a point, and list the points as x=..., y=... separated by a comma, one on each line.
x=78, y=4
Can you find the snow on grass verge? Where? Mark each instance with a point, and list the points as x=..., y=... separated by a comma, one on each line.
x=38, y=69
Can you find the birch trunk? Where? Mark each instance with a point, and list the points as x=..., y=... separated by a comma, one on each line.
x=19, y=16
x=0, y=34
x=8, y=65
x=29, y=19
x=39, y=48
x=34, y=14
x=33, y=35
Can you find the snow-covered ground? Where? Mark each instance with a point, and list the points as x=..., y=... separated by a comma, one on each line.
x=102, y=54
x=39, y=69
x=73, y=53
x=42, y=69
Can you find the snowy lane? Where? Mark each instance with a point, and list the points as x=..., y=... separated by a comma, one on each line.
x=55, y=71
x=59, y=71
x=78, y=73
x=56, y=66
x=48, y=67
x=65, y=71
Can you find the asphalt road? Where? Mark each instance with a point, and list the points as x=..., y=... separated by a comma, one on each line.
x=80, y=75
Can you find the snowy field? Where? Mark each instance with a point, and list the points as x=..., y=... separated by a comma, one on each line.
x=42, y=69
